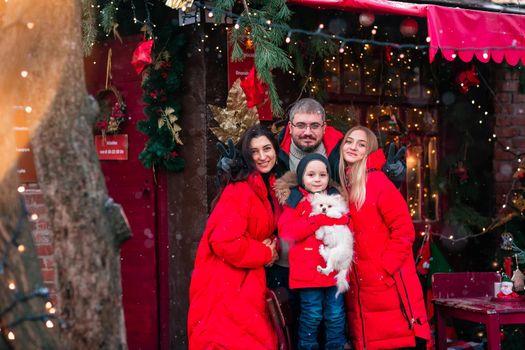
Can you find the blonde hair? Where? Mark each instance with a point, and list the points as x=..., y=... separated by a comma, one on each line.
x=354, y=188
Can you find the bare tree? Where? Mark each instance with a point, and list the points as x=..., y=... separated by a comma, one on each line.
x=42, y=68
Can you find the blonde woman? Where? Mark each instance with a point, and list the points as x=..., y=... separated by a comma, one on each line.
x=385, y=306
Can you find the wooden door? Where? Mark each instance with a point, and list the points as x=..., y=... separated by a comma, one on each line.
x=131, y=185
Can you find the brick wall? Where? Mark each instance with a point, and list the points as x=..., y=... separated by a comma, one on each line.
x=509, y=108
x=42, y=236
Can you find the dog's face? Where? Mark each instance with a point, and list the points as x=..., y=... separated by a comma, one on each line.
x=333, y=206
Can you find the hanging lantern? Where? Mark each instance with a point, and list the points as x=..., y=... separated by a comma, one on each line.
x=366, y=19
x=408, y=27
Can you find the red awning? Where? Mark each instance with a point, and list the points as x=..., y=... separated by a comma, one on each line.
x=456, y=32
x=381, y=6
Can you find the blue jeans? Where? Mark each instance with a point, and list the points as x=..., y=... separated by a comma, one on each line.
x=320, y=304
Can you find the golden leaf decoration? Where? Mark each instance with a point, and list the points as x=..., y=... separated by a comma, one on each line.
x=236, y=117
x=168, y=119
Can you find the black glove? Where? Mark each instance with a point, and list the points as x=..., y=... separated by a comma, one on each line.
x=228, y=154
x=395, y=167
x=230, y=163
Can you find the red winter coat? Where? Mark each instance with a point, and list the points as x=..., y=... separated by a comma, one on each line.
x=304, y=254
x=227, y=291
x=384, y=275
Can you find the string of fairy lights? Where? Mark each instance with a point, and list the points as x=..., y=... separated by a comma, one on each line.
x=18, y=295
x=345, y=44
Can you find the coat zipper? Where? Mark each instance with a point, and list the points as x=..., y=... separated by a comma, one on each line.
x=412, y=319
x=360, y=308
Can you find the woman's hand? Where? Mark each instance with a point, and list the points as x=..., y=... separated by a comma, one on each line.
x=272, y=244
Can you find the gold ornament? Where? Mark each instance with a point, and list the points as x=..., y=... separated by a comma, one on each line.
x=249, y=43
x=179, y=4
x=168, y=119
x=236, y=117
x=518, y=200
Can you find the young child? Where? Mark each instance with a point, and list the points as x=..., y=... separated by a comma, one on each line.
x=317, y=292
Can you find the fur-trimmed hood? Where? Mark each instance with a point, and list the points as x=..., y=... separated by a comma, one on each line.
x=283, y=186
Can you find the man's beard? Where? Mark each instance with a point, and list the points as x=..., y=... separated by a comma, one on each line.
x=308, y=148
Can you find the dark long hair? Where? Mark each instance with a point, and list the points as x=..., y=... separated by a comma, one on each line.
x=244, y=165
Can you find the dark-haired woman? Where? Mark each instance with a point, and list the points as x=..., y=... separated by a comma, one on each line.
x=227, y=291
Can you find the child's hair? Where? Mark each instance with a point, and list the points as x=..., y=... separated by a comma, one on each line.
x=354, y=187
x=301, y=167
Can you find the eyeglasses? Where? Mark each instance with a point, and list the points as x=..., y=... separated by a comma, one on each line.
x=304, y=126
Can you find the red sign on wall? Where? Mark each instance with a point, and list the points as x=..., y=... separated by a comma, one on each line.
x=112, y=147
x=240, y=70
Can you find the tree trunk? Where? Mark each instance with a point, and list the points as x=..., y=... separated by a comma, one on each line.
x=43, y=38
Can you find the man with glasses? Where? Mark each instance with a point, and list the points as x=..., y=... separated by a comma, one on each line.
x=306, y=133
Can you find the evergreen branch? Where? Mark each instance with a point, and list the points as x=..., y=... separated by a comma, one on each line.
x=107, y=15
x=266, y=21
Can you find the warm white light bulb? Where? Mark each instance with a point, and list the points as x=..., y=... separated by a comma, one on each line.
x=21, y=248
x=12, y=286
x=49, y=324
x=28, y=109
x=11, y=335
x=24, y=73
x=34, y=217
x=21, y=189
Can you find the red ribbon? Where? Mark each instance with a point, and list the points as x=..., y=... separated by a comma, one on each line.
x=142, y=55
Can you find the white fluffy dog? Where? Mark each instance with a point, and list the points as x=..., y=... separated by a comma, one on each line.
x=338, y=242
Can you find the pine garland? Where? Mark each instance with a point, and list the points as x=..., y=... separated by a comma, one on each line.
x=161, y=96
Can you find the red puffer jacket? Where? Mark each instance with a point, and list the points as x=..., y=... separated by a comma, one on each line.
x=385, y=303
x=304, y=254
x=227, y=291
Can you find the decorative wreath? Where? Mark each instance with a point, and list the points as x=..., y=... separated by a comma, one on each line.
x=113, y=111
